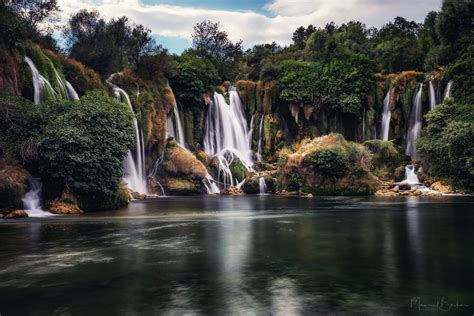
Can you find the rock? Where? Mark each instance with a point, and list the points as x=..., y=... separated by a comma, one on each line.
x=232, y=191
x=59, y=207
x=385, y=192
x=404, y=187
x=417, y=193
x=16, y=214
x=438, y=186
x=152, y=196
x=138, y=196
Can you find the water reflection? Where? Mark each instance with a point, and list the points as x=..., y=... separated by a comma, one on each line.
x=241, y=255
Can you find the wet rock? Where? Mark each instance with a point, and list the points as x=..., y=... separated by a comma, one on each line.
x=232, y=191
x=16, y=214
x=60, y=207
x=416, y=193
x=385, y=192
x=138, y=196
x=438, y=186
x=404, y=187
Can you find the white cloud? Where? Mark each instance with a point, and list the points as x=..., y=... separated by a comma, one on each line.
x=252, y=27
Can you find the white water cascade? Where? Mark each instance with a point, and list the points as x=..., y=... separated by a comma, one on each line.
x=227, y=135
x=262, y=186
x=410, y=175
x=433, y=98
x=39, y=82
x=175, y=128
x=447, y=90
x=414, y=130
x=386, y=115
x=260, y=136
x=32, y=199
x=67, y=89
x=134, y=165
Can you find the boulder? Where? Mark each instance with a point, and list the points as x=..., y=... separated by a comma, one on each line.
x=64, y=208
x=404, y=187
x=16, y=214
x=438, y=186
x=232, y=191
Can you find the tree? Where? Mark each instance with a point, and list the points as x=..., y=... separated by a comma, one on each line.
x=36, y=12
x=141, y=44
x=301, y=35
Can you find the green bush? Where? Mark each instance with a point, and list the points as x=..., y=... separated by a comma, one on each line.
x=386, y=157
x=330, y=161
x=446, y=144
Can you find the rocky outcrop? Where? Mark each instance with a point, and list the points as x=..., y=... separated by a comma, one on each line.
x=328, y=165
x=231, y=190
x=64, y=208
x=180, y=172
x=14, y=214
x=438, y=186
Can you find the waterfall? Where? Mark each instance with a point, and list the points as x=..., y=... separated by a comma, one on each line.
x=414, y=130
x=386, y=115
x=447, y=90
x=39, y=82
x=134, y=165
x=227, y=135
x=410, y=175
x=210, y=185
x=71, y=92
x=262, y=185
x=175, y=128
x=260, y=136
x=32, y=199
x=433, y=99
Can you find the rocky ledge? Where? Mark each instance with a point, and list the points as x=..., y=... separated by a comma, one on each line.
x=13, y=214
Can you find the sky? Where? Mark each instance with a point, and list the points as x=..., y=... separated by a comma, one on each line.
x=253, y=21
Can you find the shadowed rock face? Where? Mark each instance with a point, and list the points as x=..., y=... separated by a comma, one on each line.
x=13, y=185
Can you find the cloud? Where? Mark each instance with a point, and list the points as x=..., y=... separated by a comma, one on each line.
x=252, y=27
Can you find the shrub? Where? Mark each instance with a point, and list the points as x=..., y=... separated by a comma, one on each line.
x=330, y=161
x=445, y=146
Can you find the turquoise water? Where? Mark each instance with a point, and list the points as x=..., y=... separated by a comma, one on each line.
x=245, y=255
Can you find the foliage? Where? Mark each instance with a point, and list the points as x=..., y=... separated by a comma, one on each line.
x=338, y=85
x=445, y=145
x=210, y=41
x=462, y=74
x=195, y=75
x=107, y=47
x=386, y=157
x=330, y=162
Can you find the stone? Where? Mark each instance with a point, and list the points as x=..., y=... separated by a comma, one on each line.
x=16, y=214
x=232, y=191
x=138, y=196
x=404, y=187
x=417, y=193
x=438, y=186
x=63, y=208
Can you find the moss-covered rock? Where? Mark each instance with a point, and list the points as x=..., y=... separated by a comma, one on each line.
x=386, y=158
x=180, y=172
x=328, y=165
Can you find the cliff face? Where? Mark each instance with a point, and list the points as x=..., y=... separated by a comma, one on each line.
x=10, y=76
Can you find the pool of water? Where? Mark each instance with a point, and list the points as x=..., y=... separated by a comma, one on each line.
x=245, y=255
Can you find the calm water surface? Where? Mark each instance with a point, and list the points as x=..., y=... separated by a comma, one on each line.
x=245, y=255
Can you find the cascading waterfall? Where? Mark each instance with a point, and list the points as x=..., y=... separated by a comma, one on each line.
x=32, y=199
x=260, y=136
x=262, y=186
x=39, y=82
x=175, y=128
x=410, y=175
x=433, y=98
x=386, y=115
x=447, y=90
x=134, y=165
x=67, y=89
x=414, y=130
x=227, y=135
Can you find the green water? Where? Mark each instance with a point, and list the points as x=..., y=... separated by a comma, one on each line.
x=262, y=255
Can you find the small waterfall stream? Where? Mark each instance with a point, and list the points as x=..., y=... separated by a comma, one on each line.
x=386, y=115
x=447, y=90
x=32, y=199
x=134, y=165
x=227, y=135
x=414, y=130
x=175, y=128
x=433, y=98
x=39, y=82
x=260, y=136
x=410, y=175
x=262, y=186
